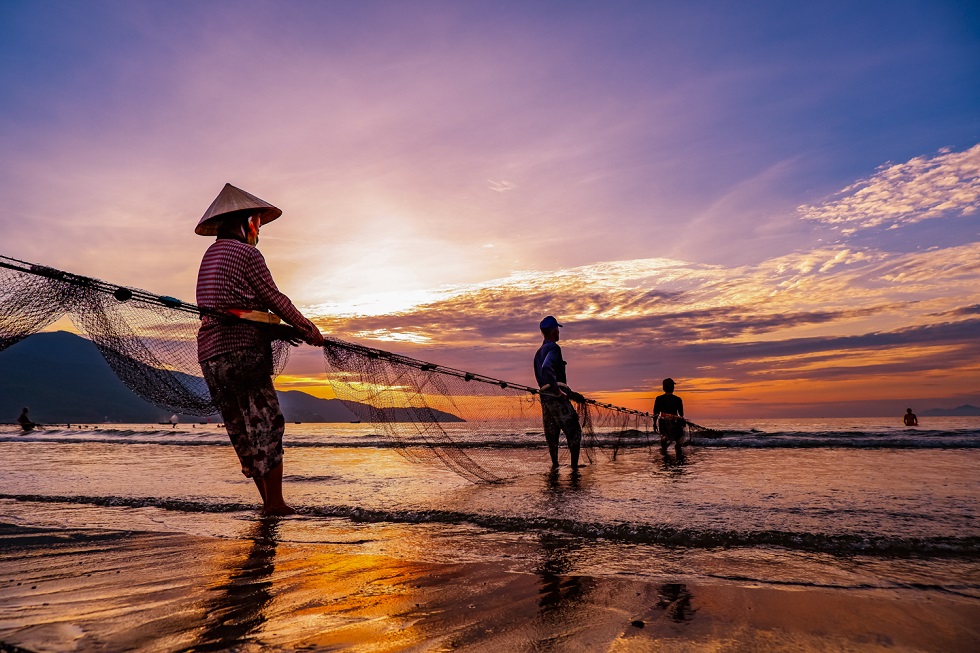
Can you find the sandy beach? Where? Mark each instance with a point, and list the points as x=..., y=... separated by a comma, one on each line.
x=107, y=544
x=101, y=590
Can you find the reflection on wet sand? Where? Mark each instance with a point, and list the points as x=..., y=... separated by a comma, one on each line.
x=94, y=591
x=333, y=596
x=568, y=599
x=675, y=600
x=237, y=610
x=560, y=591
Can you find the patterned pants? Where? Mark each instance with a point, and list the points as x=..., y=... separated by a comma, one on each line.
x=560, y=416
x=671, y=430
x=241, y=386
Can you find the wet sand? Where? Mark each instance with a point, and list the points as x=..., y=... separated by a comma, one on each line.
x=98, y=590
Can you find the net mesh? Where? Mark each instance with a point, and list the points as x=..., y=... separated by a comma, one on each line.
x=429, y=412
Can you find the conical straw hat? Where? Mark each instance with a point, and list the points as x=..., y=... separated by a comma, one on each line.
x=234, y=201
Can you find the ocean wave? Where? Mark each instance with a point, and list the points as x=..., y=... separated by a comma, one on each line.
x=846, y=441
x=306, y=478
x=853, y=433
x=867, y=544
x=766, y=441
x=360, y=442
x=966, y=591
x=215, y=441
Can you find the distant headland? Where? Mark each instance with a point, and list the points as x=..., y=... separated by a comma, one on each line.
x=63, y=378
x=966, y=410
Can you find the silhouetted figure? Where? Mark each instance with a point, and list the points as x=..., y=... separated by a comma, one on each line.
x=557, y=410
x=25, y=421
x=910, y=418
x=236, y=355
x=668, y=409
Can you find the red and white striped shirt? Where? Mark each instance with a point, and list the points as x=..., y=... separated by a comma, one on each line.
x=235, y=275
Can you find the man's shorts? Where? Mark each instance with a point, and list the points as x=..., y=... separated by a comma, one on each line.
x=241, y=387
x=671, y=430
x=559, y=415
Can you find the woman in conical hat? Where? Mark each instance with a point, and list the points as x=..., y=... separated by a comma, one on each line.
x=236, y=355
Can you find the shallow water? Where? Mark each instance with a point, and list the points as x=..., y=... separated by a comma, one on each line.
x=827, y=503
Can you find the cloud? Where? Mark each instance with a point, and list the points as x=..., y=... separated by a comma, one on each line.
x=380, y=132
x=923, y=188
x=501, y=186
x=830, y=316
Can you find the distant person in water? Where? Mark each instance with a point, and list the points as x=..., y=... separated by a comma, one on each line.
x=668, y=410
x=236, y=355
x=910, y=418
x=25, y=421
x=557, y=410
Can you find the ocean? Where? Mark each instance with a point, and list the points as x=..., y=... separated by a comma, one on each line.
x=858, y=502
x=850, y=505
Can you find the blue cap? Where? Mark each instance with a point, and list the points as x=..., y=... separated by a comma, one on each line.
x=549, y=323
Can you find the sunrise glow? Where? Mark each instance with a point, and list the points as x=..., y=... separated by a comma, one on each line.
x=780, y=210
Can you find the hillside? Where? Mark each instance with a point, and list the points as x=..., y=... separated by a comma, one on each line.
x=960, y=411
x=63, y=378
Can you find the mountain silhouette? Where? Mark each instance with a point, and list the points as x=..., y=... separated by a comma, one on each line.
x=63, y=378
x=965, y=410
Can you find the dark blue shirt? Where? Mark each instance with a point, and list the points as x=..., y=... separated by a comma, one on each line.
x=549, y=367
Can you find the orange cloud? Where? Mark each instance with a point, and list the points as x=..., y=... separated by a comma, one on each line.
x=797, y=326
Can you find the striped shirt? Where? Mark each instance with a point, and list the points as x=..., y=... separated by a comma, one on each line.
x=234, y=275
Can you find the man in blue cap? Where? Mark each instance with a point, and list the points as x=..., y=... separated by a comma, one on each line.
x=556, y=406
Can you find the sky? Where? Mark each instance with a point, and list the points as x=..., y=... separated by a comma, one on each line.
x=775, y=204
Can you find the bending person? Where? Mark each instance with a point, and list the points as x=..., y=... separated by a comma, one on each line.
x=235, y=355
x=557, y=411
x=25, y=422
x=668, y=410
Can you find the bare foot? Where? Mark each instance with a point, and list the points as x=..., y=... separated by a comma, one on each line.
x=281, y=510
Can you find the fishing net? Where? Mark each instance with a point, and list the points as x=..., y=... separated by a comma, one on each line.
x=434, y=411
x=429, y=412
